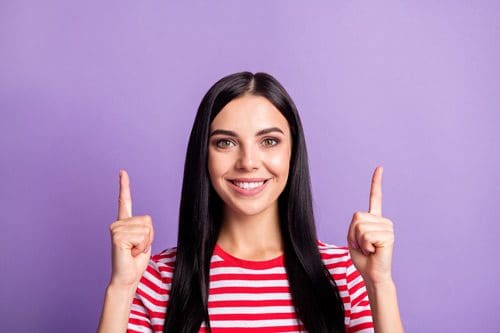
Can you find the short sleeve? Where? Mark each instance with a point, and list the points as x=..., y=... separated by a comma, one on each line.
x=360, y=320
x=140, y=318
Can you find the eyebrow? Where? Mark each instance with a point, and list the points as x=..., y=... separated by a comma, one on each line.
x=259, y=133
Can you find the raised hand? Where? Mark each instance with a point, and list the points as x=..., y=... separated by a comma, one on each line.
x=371, y=237
x=131, y=237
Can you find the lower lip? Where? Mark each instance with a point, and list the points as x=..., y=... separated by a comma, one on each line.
x=247, y=191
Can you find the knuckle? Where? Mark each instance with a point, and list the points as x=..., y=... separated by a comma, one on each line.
x=358, y=228
x=117, y=238
x=145, y=229
x=389, y=224
x=115, y=225
x=357, y=215
x=365, y=237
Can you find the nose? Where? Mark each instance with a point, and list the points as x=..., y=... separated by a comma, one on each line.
x=248, y=159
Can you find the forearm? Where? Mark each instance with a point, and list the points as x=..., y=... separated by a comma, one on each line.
x=384, y=307
x=116, y=309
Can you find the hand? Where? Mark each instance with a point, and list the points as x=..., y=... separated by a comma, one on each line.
x=371, y=238
x=131, y=237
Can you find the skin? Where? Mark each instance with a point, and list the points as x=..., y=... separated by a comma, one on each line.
x=250, y=228
x=250, y=139
x=371, y=242
x=371, y=237
x=131, y=237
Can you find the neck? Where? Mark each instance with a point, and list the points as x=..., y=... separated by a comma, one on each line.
x=252, y=237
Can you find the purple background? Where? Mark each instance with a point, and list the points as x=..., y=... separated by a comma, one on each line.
x=89, y=87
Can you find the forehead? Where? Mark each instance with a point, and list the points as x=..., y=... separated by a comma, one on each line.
x=251, y=113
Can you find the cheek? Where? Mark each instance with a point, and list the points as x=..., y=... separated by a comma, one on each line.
x=279, y=163
x=212, y=168
x=217, y=166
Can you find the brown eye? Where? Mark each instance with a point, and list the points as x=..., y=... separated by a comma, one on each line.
x=224, y=143
x=270, y=142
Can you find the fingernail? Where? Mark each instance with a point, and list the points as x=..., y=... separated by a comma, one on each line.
x=146, y=250
x=353, y=245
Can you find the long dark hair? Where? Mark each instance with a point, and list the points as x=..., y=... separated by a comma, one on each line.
x=314, y=293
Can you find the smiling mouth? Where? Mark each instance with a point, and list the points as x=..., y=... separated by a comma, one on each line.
x=248, y=186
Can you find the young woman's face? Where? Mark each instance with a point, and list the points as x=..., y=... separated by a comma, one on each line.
x=249, y=154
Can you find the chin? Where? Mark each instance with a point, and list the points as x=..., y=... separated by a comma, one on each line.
x=248, y=209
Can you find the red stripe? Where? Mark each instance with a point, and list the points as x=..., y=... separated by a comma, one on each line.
x=139, y=322
x=251, y=277
x=162, y=267
x=252, y=316
x=360, y=314
x=253, y=330
x=248, y=290
x=142, y=293
x=249, y=303
x=360, y=327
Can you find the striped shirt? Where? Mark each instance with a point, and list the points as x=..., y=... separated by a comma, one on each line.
x=249, y=296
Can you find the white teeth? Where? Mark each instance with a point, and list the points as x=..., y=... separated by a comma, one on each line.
x=248, y=185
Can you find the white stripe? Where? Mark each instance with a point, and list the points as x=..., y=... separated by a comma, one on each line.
x=335, y=261
x=240, y=270
x=358, y=321
x=158, y=321
x=249, y=297
x=139, y=328
x=248, y=283
x=152, y=306
x=150, y=292
x=359, y=308
x=216, y=258
x=253, y=323
x=251, y=310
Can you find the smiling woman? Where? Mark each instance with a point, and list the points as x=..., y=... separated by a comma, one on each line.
x=247, y=257
x=249, y=157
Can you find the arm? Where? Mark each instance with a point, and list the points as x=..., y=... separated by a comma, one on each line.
x=131, y=250
x=371, y=243
x=116, y=309
x=384, y=307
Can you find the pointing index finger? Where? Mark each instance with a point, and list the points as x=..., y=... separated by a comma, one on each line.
x=124, y=198
x=376, y=192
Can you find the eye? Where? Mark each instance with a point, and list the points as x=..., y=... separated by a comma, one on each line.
x=270, y=142
x=224, y=143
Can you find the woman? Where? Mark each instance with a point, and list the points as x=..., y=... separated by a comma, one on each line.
x=247, y=256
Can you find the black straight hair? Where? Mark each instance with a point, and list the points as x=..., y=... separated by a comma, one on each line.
x=315, y=296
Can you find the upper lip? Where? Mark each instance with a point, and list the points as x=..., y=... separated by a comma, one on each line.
x=248, y=180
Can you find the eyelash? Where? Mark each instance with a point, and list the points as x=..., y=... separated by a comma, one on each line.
x=218, y=142
x=276, y=141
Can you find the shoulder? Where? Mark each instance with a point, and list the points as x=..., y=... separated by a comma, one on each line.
x=159, y=272
x=334, y=256
x=162, y=264
x=165, y=257
x=337, y=260
x=325, y=247
x=150, y=301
